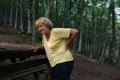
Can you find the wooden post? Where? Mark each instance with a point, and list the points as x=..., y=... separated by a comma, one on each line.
x=36, y=75
x=47, y=72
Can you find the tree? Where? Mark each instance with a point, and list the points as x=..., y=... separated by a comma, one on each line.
x=16, y=15
x=21, y=15
x=47, y=8
x=11, y=13
x=34, y=33
x=29, y=14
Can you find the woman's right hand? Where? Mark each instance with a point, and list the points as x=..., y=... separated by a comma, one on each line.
x=35, y=49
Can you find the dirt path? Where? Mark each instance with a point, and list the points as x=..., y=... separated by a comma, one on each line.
x=84, y=68
x=89, y=69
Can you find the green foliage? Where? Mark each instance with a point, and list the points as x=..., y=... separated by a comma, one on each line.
x=117, y=2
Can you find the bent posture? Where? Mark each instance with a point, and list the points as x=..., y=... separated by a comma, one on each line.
x=55, y=41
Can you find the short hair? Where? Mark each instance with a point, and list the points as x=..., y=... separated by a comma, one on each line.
x=44, y=21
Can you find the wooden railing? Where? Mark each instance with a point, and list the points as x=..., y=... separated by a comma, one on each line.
x=22, y=62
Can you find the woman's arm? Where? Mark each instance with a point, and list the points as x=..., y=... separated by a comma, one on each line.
x=73, y=32
x=37, y=48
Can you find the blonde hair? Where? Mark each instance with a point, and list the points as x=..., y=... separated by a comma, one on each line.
x=43, y=21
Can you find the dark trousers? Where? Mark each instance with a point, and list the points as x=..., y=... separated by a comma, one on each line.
x=62, y=71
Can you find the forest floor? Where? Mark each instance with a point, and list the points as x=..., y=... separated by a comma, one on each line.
x=84, y=67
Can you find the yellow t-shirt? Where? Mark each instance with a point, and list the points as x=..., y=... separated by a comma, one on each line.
x=55, y=46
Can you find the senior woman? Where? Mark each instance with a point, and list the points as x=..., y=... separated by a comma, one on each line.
x=55, y=41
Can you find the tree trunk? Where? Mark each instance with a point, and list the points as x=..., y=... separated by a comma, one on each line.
x=16, y=15
x=21, y=16
x=100, y=31
x=47, y=8
x=11, y=13
x=64, y=13
x=93, y=31
x=81, y=12
x=2, y=13
x=56, y=17
x=113, y=43
x=34, y=33
x=5, y=15
x=29, y=30
x=104, y=46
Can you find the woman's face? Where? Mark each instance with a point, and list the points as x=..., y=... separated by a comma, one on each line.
x=43, y=29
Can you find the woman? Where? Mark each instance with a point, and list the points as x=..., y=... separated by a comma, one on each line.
x=55, y=41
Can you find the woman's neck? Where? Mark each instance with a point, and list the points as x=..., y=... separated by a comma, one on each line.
x=48, y=34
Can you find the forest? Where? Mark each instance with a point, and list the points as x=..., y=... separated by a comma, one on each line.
x=98, y=22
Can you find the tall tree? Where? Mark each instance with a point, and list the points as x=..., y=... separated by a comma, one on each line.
x=11, y=13
x=64, y=13
x=33, y=21
x=29, y=14
x=113, y=42
x=16, y=14
x=47, y=8
x=21, y=15
x=5, y=14
x=81, y=13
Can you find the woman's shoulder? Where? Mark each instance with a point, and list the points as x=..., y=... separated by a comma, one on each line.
x=59, y=29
